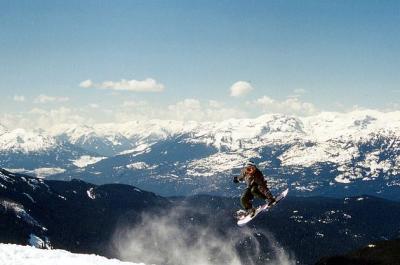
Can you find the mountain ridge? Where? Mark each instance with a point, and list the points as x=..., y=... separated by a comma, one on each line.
x=376, y=253
x=315, y=155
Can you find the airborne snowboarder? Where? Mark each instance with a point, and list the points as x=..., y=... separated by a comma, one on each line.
x=256, y=187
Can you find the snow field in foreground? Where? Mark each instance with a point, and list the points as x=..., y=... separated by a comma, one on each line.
x=27, y=255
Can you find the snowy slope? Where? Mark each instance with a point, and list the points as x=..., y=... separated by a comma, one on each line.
x=17, y=255
x=83, y=161
x=97, y=140
x=20, y=140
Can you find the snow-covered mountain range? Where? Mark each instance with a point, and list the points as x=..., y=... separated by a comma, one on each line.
x=329, y=153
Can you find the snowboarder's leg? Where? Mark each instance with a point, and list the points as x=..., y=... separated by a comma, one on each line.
x=257, y=193
x=269, y=195
x=270, y=198
x=246, y=198
x=264, y=194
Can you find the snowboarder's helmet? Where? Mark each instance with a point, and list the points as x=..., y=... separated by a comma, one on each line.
x=250, y=164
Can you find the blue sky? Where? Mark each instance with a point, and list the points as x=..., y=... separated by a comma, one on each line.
x=320, y=55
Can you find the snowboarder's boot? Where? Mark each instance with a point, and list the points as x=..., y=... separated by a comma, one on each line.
x=241, y=213
x=271, y=201
x=251, y=212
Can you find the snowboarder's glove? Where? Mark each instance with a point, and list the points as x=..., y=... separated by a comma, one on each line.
x=235, y=179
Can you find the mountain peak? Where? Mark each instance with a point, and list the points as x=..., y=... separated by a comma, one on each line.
x=21, y=140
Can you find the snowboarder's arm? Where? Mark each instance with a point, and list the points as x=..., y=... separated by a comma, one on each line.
x=240, y=177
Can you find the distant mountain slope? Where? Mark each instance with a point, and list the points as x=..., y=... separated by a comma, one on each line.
x=332, y=154
x=73, y=215
x=377, y=253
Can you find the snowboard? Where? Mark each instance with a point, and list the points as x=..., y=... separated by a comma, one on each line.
x=247, y=218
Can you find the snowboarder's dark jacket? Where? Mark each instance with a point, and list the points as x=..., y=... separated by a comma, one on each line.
x=254, y=177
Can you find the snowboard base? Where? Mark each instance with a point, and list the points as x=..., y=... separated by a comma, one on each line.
x=245, y=218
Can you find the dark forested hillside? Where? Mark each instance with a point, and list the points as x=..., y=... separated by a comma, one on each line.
x=84, y=217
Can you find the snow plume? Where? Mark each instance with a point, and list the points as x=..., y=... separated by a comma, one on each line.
x=180, y=237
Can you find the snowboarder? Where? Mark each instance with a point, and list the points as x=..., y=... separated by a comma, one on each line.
x=256, y=187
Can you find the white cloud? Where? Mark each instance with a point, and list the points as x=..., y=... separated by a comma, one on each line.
x=130, y=110
x=134, y=104
x=265, y=101
x=42, y=99
x=392, y=106
x=94, y=106
x=186, y=104
x=215, y=104
x=292, y=106
x=187, y=109
x=86, y=84
x=19, y=98
x=299, y=91
x=49, y=118
x=147, y=85
x=183, y=110
x=43, y=118
x=240, y=88
x=193, y=109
